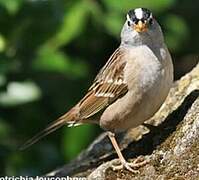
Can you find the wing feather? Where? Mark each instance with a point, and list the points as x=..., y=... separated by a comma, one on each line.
x=107, y=87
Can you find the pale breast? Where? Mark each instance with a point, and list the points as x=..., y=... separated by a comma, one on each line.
x=149, y=77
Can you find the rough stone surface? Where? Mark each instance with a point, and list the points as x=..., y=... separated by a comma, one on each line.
x=169, y=140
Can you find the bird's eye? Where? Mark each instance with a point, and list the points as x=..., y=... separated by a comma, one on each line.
x=150, y=21
x=134, y=19
x=129, y=23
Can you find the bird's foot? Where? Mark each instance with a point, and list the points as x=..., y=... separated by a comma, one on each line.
x=131, y=166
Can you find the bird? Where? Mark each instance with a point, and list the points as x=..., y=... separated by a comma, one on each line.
x=129, y=89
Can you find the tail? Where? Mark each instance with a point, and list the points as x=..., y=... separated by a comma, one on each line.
x=66, y=118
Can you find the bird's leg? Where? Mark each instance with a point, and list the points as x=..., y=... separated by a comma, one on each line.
x=124, y=163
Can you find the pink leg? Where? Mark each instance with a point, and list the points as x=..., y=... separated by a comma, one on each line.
x=124, y=163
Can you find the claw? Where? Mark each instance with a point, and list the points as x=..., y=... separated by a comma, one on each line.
x=124, y=164
x=139, y=162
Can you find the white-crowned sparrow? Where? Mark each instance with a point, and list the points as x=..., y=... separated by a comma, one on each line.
x=131, y=86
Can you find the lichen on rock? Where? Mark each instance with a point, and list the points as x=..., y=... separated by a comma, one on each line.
x=170, y=140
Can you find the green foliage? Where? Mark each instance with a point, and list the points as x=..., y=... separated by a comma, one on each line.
x=76, y=135
x=56, y=61
x=177, y=32
x=11, y=6
x=50, y=50
x=19, y=93
x=122, y=6
x=72, y=24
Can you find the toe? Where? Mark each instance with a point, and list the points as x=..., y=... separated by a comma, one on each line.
x=125, y=165
x=139, y=162
x=117, y=167
x=129, y=168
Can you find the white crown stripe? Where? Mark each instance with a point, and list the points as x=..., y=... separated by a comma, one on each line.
x=139, y=13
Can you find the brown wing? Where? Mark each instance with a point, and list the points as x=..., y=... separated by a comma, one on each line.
x=107, y=87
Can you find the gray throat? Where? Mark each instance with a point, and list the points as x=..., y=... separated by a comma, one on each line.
x=152, y=38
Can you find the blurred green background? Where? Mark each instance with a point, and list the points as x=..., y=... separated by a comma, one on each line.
x=51, y=50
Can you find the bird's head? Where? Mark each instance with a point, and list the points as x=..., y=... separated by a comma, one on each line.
x=140, y=19
x=141, y=28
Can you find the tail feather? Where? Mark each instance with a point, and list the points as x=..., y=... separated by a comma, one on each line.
x=49, y=129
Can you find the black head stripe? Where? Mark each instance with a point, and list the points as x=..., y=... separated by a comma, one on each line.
x=132, y=16
x=144, y=14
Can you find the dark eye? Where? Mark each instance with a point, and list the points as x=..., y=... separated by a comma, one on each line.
x=135, y=20
x=150, y=21
x=129, y=23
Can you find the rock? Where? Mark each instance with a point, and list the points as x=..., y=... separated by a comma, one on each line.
x=170, y=140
